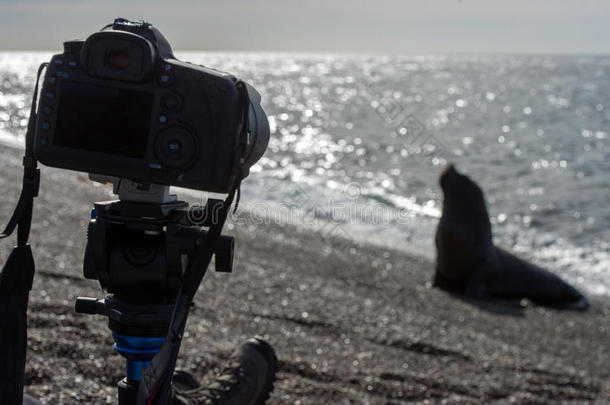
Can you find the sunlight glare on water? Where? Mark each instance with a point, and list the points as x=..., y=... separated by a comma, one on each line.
x=531, y=130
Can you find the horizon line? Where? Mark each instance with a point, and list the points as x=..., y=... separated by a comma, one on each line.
x=365, y=53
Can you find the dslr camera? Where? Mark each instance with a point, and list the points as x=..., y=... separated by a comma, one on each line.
x=120, y=104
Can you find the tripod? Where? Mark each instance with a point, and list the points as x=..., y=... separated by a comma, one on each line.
x=138, y=248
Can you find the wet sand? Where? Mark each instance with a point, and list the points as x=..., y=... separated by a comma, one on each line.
x=351, y=324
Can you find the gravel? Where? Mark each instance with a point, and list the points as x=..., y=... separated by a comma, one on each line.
x=351, y=324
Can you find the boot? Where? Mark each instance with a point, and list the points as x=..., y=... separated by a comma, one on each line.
x=246, y=379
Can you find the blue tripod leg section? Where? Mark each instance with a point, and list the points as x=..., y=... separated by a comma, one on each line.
x=138, y=351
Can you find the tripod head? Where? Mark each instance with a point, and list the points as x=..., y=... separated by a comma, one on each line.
x=138, y=249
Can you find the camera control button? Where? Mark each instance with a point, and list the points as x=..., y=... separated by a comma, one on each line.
x=162, y=118
x=170, y=102
x=59, y=62
x=165, y=79
x=175, y=147
x=47, y=110
x=46, y=125
x=51, y=80
x=72, y=64
x=49, y=95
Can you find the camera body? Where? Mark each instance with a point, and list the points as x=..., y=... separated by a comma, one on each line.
x=120, y=104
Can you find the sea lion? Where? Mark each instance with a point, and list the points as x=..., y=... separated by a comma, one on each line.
x=469, y=263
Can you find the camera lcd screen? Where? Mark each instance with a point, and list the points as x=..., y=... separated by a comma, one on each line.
x=103, y=119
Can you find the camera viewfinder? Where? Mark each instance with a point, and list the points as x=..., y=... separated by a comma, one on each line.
x=118, y=59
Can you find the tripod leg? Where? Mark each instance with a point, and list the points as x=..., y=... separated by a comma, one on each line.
x=128, y=391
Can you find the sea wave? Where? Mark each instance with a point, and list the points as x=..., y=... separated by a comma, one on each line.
x=358, y=142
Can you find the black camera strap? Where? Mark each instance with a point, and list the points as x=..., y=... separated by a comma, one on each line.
x=18, y=273
x=22, y=215
x=155, y=386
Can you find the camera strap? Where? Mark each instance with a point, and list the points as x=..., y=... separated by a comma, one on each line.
x=18, y=273
x=155, y=386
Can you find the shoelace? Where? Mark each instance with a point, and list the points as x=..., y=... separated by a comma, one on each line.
x=230, y=379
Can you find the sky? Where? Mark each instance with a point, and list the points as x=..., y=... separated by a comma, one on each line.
x=336, y=26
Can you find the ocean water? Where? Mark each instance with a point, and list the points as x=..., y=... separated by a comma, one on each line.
x=358, y=143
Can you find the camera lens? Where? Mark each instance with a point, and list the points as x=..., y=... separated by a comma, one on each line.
x=259, y=127
x=118, y=59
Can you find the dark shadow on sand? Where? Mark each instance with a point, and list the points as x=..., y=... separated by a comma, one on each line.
x=495, y=306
